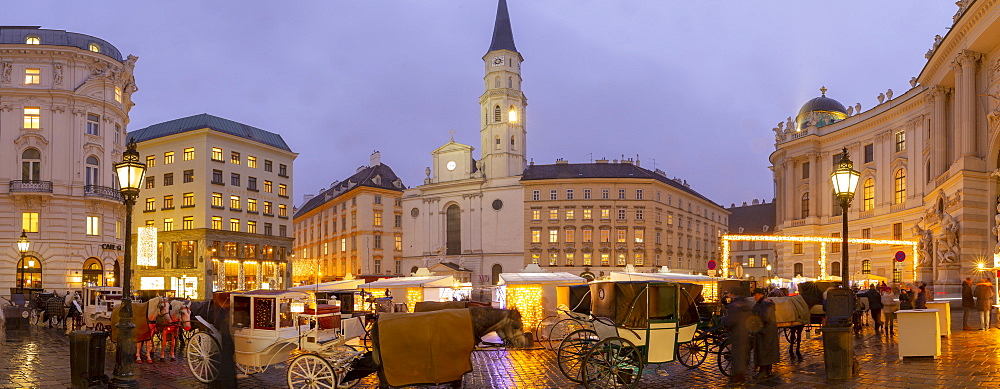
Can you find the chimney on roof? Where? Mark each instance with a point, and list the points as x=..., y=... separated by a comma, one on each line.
x=755, y=202
x=636, y=160
x=375, y=159
x=601, y=161
x=744, y=203
x=561, y=161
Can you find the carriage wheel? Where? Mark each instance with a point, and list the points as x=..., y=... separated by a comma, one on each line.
x=612, y=363
x=203, y=357
x=311, y=371
x=561, y=329
x=692, y=354
x=348, y=384
x=541, y=332
x=725, y=359
x=571, y=351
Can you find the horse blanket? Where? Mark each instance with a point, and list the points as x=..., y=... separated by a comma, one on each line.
x=426, y=348
x=56, y=306
x=141, y=333
x=790, y=310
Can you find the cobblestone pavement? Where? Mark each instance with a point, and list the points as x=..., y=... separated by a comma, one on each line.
x=40, y=358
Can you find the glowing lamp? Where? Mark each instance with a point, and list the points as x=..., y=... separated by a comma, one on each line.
x=981, y=266
x=512, y=115
x=23, y=243
x=845, y=178
x=130, y=171
x=298, y=307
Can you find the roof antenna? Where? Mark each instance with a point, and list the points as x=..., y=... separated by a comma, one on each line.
x=591, y=155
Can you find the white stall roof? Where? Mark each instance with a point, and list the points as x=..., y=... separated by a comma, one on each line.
x=412, y=282
x=561, y=278
x=666, y=277
x=331, y=286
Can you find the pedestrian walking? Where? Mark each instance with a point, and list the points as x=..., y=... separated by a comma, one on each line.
x=921, y=301
x=890, y=305
x=984, y=302
x=766, y=349
x=875, y=307
x=968, y=302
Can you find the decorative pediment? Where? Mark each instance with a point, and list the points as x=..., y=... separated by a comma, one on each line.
x=553, y=248
x=899, y=162
x=569, y=249
x=535, y=249
x=30, y=139
x=451, y=147
x=587, y=249
x=605, y=249
x=93, y=148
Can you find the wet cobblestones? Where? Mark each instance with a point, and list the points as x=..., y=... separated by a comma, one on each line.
x=970, y=359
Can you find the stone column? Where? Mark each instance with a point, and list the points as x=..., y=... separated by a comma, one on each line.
x=937, y=97
x=816, y=186
x=965, y=118
x=790, y=191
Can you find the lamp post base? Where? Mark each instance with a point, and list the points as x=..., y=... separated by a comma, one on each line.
x=124, y=374
x=838, y=353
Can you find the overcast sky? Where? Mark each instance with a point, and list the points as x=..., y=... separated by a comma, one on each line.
x=694, y=85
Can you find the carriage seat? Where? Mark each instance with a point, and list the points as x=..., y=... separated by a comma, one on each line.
x=326, y=322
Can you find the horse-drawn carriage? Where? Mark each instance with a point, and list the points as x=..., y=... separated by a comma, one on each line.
x=272, y=326
x=634, y=324
x=98, y=303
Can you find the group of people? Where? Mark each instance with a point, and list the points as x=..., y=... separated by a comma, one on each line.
x=754, y=328
x=980, y=298
x=883, y=302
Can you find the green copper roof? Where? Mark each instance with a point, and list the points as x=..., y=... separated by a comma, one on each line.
x=215, y=123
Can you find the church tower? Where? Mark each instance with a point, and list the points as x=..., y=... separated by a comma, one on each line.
x=503, y=104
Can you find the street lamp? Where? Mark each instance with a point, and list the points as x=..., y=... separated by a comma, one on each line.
x=22, y=245
x=130, y=172
x=845, y=181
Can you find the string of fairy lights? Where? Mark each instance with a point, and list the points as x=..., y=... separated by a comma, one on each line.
x=527, y=299
x=814, y=239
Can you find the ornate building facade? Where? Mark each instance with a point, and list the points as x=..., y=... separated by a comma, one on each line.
x=354, y=227
x=219, y=193
x=64, y=104
x=928, y=160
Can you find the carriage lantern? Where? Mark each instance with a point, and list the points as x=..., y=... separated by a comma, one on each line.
x=298, y=307
x=130, y=172
x=22, y=246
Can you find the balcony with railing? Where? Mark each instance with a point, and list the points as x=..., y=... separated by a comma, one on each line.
x=30, y=186
x=102, y=192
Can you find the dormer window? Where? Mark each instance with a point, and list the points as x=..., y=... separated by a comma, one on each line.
x=32, y=40
x=95, y=48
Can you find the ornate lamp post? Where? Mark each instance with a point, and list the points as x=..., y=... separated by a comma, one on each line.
x=22, y=246
x=130, y=172
x=845, y=181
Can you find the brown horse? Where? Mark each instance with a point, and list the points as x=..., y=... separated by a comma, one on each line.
x=144, y=318
x=169, y=324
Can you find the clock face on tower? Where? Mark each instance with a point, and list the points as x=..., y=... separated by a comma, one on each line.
x=497, y=61
x=451, y=165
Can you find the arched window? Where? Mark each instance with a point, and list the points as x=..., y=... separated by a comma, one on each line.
x=95, y=48
x=511, y=142
x=498, y=142
x=454, y=230
x=31, y=165
x=899, y=185
x=29, y=273
x=797, y=269
x=866, y=266
x=92, y=170
x=496, y=82
x=835, y=269
x=805, y=205
x=496, y=114
x=495, y=273
x=32, y=40
x=510, y=82
x=868, y=194
x=93, y=272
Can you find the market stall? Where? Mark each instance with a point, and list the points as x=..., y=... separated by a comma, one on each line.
x=411, y=290
x=536, y=295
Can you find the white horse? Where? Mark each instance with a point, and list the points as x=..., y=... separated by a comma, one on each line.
x=169, y=325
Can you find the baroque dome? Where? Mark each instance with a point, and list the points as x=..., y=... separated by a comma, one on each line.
x=820, y=111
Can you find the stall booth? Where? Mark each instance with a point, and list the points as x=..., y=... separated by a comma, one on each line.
x=343, y=294
x=536, y=295
x=403, y=293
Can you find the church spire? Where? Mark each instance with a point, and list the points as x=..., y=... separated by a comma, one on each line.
x=503, y=37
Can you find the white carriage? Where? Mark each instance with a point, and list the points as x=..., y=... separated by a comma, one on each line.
x=272, y=326
x=98, y=302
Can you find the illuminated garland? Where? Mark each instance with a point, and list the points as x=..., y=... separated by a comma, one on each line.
x=413, y=296
x=527, y=299
x=145, y=252
x=813, y=239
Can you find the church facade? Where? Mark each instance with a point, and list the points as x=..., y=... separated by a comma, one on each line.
x=469, y=211
x=928, y=159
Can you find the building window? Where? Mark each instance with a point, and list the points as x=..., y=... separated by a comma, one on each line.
x=621, y=194
x=268, y=229
x=168, y=157
x=268, y=166
x=588, y=235
x=187, y=223
x=868, y=195
x=93, y=225
x=252, y=183
x=378, y=218
x=168, y=202
x=32, y=76
x=605, y=213
x=251, y=226
x=536, y=236
x=553, y=195
x=535, y=195
x=797, y=248
x=866, y=233
x=268, y=211
x=797, y=269
x=496, y=109
x=605, y=259
x=234, y=179
x=621, y=213
x=897, y=231
x=805, y=205
x=638, y=194
x=835, y=269
x=378, y=199
x=536, y=214
x=587, y=259
x=168, y=224
x=588, y=214
x=283, y=211
x=621, y=259
x=569, y=194
x=453, y=230
x=569, y=259
x=29, y=221
x=900, y=141
x=397, y=243
x=32, y=117
x=605, y=236
x=866, y=266
x=399, y=221
x=553, y=214
x=282, y=230
x=188, y=200
x=217, y=199
x=150, y=161
x=188, y=154
x=234, y=202
x=268, y=186
x=639, y=214
x=869, y=153
x=217, y=154
x=621, y=236
x=377, y=241
x=234, y=225
x=899, y=184
x=251, y=162
x=605, y=194
x=234, y=158
x=168, y=179
x=569, y=214
x=553, y=259
x=150, y=204
x=32, y=40
x=189, y=176
x=553, y=236
x=570, y=236
x=216, y=223
x=534, y=259
x=252, y=205
x=835, y=246
x=150, y=182
x=927, y=171
x=283, y=191
x=586, y=194
x=805, y=170
x=118, y=94
x=640, y=236
x=282, y=170
x=95, y=48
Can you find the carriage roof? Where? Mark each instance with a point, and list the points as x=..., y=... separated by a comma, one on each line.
x=663, y=277
x=332, y=286
x=635, y=304
x=559, y=278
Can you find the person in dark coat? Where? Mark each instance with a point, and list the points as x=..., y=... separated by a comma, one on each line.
x=921, y=301
x=906, y=297
x=736, y=322
x=968, y=302
x=984, y=302
x=875, y=307
x=766, y=349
